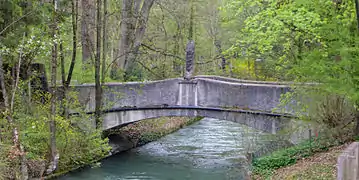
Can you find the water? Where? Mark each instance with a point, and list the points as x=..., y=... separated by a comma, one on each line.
x=209, y=149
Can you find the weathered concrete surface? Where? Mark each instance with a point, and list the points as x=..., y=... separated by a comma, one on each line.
x=270, y=123
x=204, y=92
x=200, y=92
x=261, y=97
x=348, y=163
x=133, y=94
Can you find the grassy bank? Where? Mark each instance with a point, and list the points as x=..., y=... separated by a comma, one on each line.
x=320, y=166
x=309, y=160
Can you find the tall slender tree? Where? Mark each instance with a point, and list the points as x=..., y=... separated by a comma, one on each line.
x=74, y=15
x=52, y=123
x=98, y=89
x=88, y=31
x=104, y=41
x=134, y=18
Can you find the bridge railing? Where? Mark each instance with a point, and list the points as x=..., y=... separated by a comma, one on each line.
x=234, y=80
x=348, y=163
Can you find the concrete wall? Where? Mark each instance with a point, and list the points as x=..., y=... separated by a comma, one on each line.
x=136, y=94
x=262, y=97
x=348, y=163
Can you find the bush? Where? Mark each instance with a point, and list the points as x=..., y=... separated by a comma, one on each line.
x=285, y=157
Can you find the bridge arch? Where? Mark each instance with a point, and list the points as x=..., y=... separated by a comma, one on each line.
x=267, y=122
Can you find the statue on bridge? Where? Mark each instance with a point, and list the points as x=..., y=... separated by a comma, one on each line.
x=190, y=56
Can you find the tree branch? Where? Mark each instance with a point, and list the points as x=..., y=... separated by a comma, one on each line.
x=162, y=52
x=17, y=20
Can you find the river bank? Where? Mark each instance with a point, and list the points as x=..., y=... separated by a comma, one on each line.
x=210, y=149
x=135, y=135
x=143, y=132
x=319, y=166
x=315, y=158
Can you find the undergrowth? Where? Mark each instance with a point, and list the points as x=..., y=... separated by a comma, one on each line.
x=265, y=166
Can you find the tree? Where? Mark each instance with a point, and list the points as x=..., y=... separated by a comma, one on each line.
x=88, y=32
x=52, y=123
x=74, y=18
x=98, y=94
x=306, y=41
x=134, y=19
x=104, y=41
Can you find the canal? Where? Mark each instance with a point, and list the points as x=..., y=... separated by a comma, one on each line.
x=207, y=150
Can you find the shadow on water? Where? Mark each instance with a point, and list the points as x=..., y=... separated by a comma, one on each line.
x=209, y=149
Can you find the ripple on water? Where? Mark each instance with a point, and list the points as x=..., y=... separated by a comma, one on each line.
x=208, y=150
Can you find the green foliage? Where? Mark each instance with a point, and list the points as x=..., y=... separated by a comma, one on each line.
x=264, y=166
x=78, y=142
x=298, y=39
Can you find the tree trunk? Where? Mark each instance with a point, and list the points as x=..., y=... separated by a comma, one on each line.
x=176, y=64
x=357, y=12
x=133, y=27
x=87, y=31
x=104, y=42
x=191, y=21
x=52, y=123
x=74, y=10
x=98, y=93
x=62, y=63
x=125, y=43
x=217, y=43
x=139, y=34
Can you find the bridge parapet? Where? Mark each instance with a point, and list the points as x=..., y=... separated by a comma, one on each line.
x=209, y=97
x=202, y=92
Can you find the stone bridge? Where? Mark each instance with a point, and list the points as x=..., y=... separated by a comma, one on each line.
x=247, y=102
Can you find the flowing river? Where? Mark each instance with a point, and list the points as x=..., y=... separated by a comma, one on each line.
x=209, y=149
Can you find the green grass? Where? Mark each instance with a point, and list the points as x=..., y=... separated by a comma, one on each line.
x=265, y=166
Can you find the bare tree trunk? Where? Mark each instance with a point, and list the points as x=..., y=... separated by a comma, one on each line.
x=66, y=82
x=52, y=123
x=104, y=42
x=190, y=30
x=124, y=45
x=357, y=12
x=176, y=64
x=218, y=45
x=98, y=93
x=139, y=34
x=74, y=40
x=62, y=63
x=87, y=32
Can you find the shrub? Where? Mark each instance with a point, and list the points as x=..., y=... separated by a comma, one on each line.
x=285, y=157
